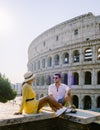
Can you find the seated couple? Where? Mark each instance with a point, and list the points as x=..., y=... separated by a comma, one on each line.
x=58, y=94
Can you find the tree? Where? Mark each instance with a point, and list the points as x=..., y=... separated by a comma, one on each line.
x=6, y=91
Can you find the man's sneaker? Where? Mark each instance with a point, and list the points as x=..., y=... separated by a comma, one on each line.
x=68, y=110
x=60, y=111
x=71, y=109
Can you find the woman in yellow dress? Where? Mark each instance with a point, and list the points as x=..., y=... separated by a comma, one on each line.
x=29, y=104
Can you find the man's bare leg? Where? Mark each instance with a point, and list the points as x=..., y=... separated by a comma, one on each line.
x=53, y=103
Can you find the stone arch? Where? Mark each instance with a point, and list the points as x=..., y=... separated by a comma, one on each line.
x=98, y=102
x=37, y=81
x=43, y=63
x=98, y=77
x=48, y=80
x=49, y=61
x=75, y=78
x=87, y=102
x=88, y=54
x=75, y=100
x=41, y=95
x=56, y=59
x=42, y=80
x=65, y=79
x=76, y=55
x=87, y=78
x=38, y=64
x=65, y=58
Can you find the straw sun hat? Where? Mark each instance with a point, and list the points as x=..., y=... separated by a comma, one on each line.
x=29, y=76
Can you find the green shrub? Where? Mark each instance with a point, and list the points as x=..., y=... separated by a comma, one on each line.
x=6, y=91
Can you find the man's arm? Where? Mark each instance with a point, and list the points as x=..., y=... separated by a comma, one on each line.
x=68, y=96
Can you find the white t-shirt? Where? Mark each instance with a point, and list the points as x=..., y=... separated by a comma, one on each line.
x=60, y=93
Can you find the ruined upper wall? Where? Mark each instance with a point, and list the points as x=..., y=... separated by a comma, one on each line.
x=76, y=30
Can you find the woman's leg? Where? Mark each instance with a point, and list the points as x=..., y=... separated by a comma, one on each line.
x=53, y=103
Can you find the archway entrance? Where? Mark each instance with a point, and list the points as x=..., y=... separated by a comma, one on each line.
x=87, y=102
x=75, y=101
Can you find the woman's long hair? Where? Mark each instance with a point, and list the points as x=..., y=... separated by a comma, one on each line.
x=22, y=86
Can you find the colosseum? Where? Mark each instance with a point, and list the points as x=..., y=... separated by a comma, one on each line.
x=71, y=48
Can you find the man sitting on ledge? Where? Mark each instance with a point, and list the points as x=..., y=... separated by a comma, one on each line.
x=60, y=92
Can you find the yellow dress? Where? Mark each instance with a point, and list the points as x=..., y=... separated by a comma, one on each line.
x=29, y=107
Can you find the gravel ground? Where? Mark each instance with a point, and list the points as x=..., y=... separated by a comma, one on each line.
x=8, y=109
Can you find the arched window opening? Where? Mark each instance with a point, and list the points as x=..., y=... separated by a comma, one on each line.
x=57, y=38
x=37, y=81
x=87, y=102
x=76, y=32
x=56, y=59
x=87, y=78
x=76, y=78
x=98, y=77
x=42, y=80
x=43, y=63
x=98, y=102
x=75, y=101
x=65, y=58
x=41, y=95
x=48, y=81
x=66, y=79
x=38, y=64
x=76, y=56
x=88, y=54
x=33, y=84
x=49, y=63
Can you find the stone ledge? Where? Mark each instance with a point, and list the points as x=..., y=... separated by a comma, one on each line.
x=18, y=119
x=83, y=116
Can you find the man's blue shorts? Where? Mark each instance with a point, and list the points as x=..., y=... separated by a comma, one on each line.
x=62, y=101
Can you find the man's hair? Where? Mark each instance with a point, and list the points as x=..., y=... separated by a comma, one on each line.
x=58, y=75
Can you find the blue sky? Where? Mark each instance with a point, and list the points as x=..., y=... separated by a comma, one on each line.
x=21, y=21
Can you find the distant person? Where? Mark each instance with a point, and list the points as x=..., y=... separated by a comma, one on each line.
x=29, y=104
x=60, y=92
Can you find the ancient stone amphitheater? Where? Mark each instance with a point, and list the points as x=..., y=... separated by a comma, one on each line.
x=71, y=48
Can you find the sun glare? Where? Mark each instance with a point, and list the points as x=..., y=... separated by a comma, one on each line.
x=4, y=22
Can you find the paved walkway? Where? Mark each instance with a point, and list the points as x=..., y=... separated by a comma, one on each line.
x=8, y=109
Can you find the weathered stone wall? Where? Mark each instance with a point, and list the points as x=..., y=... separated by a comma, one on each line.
x=51, y=124
x=79, y=33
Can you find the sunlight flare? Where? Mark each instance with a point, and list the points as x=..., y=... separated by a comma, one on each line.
x=5, y=22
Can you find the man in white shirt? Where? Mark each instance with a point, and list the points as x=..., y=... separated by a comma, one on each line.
x=59, y=91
